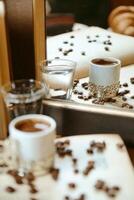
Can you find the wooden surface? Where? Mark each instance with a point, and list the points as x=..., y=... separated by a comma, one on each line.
x=4, y=68
x=39, y=34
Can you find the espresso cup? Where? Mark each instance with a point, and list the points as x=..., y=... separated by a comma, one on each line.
x=32, y=143
x=104, y=77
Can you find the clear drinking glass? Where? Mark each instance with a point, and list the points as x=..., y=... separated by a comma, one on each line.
x=57, y=76
x=23, y=97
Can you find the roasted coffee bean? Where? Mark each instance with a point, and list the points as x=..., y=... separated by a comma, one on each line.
x=66, y=142
x=67, y=198
x=72, y=185
x=19, y=180
x=60, y=49
x=97, y=36
x=12, y=172
x=88, y=36
x=132, y=80
x=30, y=176
x=65, y=42
x=83, y=53
x=54, y=173
x=120, y=146
x=85, y=98
x=2, y=165
x=84, y=84
x=89, y=41
x=74, y=161
x=76, y=171
x=80, y=97
x=122, y=93
x=109, y=36
x=10, y=189
x=100, y=102
x=89, y=167
x=72, y=36
x=99, y=185
x=71, y=44
x=106, y=48
x=75, y=92
x=94, y=40
x=132, y=97
x=82, y=197
x=125, y=84
x=90, y=151
x=33, y=190
x=124, y=98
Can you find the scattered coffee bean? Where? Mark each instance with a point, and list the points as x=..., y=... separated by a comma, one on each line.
x=80, y=97
x=106, y=48
x=74, y=160
x=60, y=49
x=71, y=44
x=125, y=84
x=33, y=190
x=89, y=41
x=75, y=91
x=132, y=80
x=72, y=185
x=67, y=198
x=30, y=176
x=3, y=165
x=54, y=173
x=109, y=36
x=120, y=146
x=65, y=42
x=10, y=189
x=99, y=146
x=90, y=151
x=99, y=185
x=94, y=40
x=84, y=84
x=19, y=179
x=124, y=98
x=83, y=53
x=97, y=101
x=72, y=36
x=97, y=36
x=89, y=167
x=122, y=93
x=88, y=36
x=57, y=57
x=132, y=97
x=76, y=171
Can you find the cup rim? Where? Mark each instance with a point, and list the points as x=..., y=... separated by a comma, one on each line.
x=29, y=134
x=108, y=58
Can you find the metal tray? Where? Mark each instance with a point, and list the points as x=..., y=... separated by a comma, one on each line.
x=75, y=118
x=82, y=117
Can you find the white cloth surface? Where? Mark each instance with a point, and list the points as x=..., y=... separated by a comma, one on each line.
x=113, y=166
x=82, y=50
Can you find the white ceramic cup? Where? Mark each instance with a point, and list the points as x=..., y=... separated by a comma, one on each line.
x=34, y=151
x=104, y=77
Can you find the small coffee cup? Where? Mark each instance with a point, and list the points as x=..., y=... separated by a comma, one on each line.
x=104, y=77
x=32, y=143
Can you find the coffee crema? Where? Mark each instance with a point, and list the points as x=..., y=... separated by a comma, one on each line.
x=104, y=61
x=32, y=125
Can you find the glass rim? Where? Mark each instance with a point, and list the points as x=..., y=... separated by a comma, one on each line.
x=5, y=89
x=45, y=63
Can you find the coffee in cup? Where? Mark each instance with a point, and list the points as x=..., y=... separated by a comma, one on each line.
x=32, y=140
x=104, y=77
